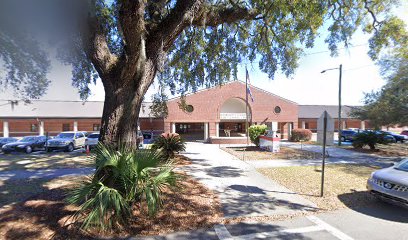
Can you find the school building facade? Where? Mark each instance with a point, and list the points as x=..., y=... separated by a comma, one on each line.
x=216, y=115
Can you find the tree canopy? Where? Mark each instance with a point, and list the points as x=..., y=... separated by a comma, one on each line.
x=389, y=106
x=186, y=44
x=201, y=42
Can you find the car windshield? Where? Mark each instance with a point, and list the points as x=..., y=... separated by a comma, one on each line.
x=65, y=135
x=96, y=135
x=27, y=139
x=403, y=166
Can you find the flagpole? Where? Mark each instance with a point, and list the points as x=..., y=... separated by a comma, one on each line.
x=246, y=101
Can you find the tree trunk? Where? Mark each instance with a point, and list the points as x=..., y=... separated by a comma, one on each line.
x=123, y=100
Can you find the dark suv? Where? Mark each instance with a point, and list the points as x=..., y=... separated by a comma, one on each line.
x=347, y=135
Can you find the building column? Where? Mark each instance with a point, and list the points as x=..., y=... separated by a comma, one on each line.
x=217, y=129
x=75, y=126
x=343, y=124
x=206, y=131
x=303, y=125
x=290, y=127
x=362, y=125
x=5, y=129
x=173, y=128
x=41, y=128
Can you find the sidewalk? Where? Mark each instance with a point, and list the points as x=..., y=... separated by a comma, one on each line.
x=242, y=190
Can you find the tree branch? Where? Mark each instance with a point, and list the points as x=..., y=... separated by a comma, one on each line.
x=131, y=17
x=95, y=44
x=213, y=16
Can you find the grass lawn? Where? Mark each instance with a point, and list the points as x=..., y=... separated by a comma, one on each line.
x=256, y=153
x=386, y=150
x=345, y=185
x=22, y=161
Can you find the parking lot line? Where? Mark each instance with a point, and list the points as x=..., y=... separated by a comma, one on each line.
x=334, y=231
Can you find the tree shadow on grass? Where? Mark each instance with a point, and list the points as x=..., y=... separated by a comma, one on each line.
x=363, y=202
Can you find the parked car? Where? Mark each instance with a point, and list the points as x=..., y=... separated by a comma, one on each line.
x=92, y=140
x=5, y=140
x=391, y=184
x=26, y=144
x=67, y=141
x=148, y=137
x=347, y=135
x=405, y=133
x=398, y=137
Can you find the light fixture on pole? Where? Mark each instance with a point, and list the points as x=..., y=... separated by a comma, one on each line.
x=339, y=114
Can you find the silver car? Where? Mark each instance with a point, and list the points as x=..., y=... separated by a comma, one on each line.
x=391, y=184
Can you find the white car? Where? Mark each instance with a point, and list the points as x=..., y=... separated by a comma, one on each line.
x=391, y=184
x=92, y=140
x=67, y=141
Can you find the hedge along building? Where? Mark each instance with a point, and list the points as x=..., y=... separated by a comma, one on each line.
x=218, y=114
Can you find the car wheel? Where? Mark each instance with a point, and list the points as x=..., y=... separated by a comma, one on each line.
x=343, y=139
x=28, y=150
x=70, y=148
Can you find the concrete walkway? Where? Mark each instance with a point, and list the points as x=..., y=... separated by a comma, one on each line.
x=242, y=190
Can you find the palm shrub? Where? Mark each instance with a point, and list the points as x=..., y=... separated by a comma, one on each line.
x=169, y=144
x=255, y=131
x=123, y=178
x=298, y=135
x=369, y=138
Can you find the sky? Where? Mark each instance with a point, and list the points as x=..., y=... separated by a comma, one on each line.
x=307, y=86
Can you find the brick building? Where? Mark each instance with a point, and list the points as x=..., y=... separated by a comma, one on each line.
x=309, y=114
x=216, y=115
x=52, y=117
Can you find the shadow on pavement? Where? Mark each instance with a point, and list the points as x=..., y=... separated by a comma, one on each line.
x=242, y=200
x=377, y=208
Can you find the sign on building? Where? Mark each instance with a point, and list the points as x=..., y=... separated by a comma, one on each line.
x=329, y=130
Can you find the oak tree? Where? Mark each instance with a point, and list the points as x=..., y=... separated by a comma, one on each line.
x=186, y=44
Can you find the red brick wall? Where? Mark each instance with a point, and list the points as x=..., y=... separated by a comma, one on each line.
x=155, y=124
x=207, y=105
x=350, y=123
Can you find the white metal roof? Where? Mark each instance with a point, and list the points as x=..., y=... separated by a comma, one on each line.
x=59, y=109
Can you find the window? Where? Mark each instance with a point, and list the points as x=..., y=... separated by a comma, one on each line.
x=66, y=127
x=277, y=109
x=79, y=135
x=189, y=108
x=34, y=128
x=97, y=127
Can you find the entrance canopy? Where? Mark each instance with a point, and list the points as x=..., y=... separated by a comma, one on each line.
x=234, y=109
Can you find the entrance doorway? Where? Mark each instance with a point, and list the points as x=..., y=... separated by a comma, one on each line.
x=191, y=131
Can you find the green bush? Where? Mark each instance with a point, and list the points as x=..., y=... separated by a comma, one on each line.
x=301, y=135
x=368, y=138
x=123, y=179
x=169, y=144
x=255, y=131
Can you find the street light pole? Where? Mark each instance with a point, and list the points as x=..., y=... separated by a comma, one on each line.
x=339, y=128
x=339, y=117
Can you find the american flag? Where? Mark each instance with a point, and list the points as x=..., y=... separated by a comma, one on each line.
x=248, y=89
